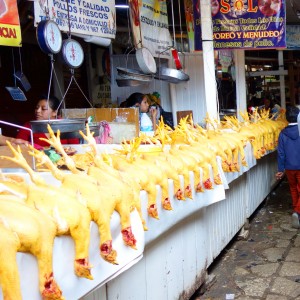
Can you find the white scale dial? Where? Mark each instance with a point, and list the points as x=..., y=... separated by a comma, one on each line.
x=72, y=53
x=54, y=38
x=49, y=36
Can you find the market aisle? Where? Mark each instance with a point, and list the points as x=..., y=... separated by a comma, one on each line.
x=265, y=265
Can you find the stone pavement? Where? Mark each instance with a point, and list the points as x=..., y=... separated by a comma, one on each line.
x=265, y=264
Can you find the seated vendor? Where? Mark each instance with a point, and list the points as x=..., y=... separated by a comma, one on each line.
x=140, y=101
x=274, y=109
x=44, y=110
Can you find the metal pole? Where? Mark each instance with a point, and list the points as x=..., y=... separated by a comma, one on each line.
x=211, y=96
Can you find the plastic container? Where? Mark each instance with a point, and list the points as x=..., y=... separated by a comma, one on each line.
x=145, y=123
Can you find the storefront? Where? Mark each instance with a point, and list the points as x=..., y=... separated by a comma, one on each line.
x=171, y=258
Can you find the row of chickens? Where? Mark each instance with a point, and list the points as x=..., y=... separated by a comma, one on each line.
x=101, y=183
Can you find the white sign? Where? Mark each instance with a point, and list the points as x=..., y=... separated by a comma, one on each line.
x=87, y=17
x=149, y=20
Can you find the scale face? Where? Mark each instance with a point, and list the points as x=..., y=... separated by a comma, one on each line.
x=72, y=53
x=49, y=36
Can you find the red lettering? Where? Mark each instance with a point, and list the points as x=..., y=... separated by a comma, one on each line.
x=250, y=7
x=225, y=6
x=8, y=32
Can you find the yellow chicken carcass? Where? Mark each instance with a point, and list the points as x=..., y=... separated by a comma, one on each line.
x=254, y=130
x=252, y=133
x=265, y=122
x=194, y=162
x=204, y=149
x=24, y=229
x=272, y=129
x=196, y=136
x=72, y=218
x=211, y=146
x=181, y=167
x=138, y=174
x=67, y=208
x=130, y=197
x=177, y=163
x=134, y=154
x=261, y=131
x=205, y=159
x=123, y=162
x=255, y=134
x=182, y=134
x=240, y=143
x=9, y=276
x=162, y=134
x=147, y=176
x=101, y=200
x=197, y=145
x=156, y=175
x=229, y=147
x=143, y=158
x=269, y=134
x=169, y=172
x=108, y=175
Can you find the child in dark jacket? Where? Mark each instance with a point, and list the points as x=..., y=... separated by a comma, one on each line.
x=288, y=159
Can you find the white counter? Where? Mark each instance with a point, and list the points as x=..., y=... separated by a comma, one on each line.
x=174, y=253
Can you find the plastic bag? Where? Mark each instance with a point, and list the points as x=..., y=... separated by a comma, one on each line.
x=104, y=134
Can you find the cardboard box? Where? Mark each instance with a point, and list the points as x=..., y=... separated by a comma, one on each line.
x=120, y=130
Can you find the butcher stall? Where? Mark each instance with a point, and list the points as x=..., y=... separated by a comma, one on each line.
x=169, y=237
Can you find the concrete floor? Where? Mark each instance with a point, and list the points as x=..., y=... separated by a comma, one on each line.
x=263, y=265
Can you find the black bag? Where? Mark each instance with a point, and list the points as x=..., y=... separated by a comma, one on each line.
x=167, y=117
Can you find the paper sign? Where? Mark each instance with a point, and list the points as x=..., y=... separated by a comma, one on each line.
x=87, y=17
x=149, y=22
x=10, y=31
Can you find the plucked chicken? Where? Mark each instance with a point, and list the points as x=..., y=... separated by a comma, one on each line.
x=24, y=229
x=108, y=175
x=169, y=172
x=138, y=174
x=101, y=200
x=65, y=206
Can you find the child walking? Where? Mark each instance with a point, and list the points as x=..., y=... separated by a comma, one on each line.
x=288, y=160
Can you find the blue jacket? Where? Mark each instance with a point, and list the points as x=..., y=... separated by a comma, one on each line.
x=288, y=149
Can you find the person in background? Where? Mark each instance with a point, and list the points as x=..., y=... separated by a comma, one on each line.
x=273, y=108
x=288, y=160
x=44, y=110
x=12, y=140
x=140, y=101
x=297, y=94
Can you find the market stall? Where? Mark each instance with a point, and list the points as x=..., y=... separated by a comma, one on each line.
x=179, y=245
x=175, y=262
x=184, y=236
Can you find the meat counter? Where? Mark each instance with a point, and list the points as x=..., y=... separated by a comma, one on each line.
x=109, y=278
x=72, y=286
x=184, y=242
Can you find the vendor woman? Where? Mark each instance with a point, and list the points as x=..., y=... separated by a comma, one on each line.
x=44, y=110
x=140, y=101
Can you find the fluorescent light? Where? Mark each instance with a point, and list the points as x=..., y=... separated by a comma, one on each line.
x=124, y=6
